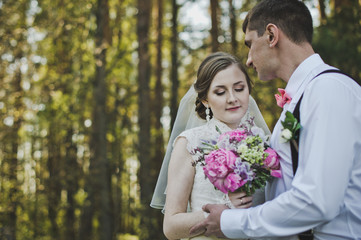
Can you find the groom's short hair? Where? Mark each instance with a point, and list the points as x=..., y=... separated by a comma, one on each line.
x=291, y=16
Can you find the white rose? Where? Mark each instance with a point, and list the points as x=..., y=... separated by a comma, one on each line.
x=286, y=135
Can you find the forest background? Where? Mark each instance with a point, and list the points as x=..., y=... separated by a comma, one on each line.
x=89, y=91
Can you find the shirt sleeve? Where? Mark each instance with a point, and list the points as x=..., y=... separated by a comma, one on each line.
x=325, y=163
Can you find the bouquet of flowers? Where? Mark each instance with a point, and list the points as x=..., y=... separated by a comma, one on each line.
x=238, y=160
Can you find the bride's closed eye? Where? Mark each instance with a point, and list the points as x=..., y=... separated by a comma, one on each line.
x=220, y=93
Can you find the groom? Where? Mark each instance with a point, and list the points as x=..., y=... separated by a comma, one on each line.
x=324, y=192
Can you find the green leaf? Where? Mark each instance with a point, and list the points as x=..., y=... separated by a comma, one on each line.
x=218, y=130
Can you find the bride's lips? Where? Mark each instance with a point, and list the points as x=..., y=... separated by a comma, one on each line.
x=233, y=108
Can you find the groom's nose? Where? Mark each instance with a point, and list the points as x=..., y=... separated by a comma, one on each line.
x=249, y=62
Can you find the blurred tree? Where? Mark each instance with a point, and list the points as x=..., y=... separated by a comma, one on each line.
x=99, y=179
x=322, y=11
x=146, y=188
x=14, y=51
x=158, y=92
x=157, y=152
x=233, y=27
x=174, y=64
x=215, y=25
x=62, y=87
x=338, y=39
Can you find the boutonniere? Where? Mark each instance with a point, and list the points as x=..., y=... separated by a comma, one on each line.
x=290, y=129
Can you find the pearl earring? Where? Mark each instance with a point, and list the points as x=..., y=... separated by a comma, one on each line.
x=208, y=116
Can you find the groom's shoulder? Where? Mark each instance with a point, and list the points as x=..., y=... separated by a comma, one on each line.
x=335, y=83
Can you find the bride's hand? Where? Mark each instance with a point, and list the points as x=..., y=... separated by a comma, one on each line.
x=240, y=199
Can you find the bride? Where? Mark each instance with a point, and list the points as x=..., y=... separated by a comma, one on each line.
x=222, y=97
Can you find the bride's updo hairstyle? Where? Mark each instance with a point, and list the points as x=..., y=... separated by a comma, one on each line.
x=208, y=69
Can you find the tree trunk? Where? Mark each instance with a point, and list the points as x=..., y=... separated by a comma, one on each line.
x=158, y=151
x=53, y=186
x=103, y=195
x=12, y=160
x=11, y=192
x=214, y=29
x=233, y=27
x=36, y=222
x=71, y=184
x=174, y=69
x=322, y=11
x=117, y=164
x=146, y=189
x=99, y=179
x=158, y=99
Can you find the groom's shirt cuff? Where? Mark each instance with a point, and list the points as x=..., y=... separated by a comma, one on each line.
x=231, y=226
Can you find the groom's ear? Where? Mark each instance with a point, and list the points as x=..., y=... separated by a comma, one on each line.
x=272, y=32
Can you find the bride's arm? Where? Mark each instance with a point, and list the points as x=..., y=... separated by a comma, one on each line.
x=177, y=221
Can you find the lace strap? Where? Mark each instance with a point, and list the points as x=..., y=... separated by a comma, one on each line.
x=227, y=201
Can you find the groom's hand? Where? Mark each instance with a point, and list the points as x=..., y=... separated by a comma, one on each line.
x=211, y=225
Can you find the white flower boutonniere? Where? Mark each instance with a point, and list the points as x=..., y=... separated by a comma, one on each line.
x=290, y=129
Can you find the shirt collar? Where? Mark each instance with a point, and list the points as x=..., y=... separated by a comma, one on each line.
x=303, y=74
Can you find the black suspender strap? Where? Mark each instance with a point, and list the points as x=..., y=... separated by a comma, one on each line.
x=294, y=153
x=296, y=113
x=307, y=235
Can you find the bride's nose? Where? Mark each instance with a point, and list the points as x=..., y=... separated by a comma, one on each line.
x=231, y=98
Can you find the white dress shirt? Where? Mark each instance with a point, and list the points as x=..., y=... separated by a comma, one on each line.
x=325, y=193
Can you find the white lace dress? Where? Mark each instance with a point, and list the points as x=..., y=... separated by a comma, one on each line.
x=203, y=191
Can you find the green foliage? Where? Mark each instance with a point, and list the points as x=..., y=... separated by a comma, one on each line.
x=339, y=39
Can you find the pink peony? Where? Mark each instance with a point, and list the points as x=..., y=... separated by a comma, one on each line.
x=219, y=166
x=232, y=182
x=272, y=161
